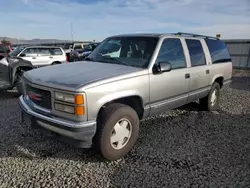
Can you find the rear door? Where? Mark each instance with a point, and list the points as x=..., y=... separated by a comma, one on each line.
x=44, y=56
x=199, y=71
x=57, y=55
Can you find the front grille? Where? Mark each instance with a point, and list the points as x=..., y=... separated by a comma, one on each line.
x=39, y=97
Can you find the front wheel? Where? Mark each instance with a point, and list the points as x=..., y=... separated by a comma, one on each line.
x=211, y=101
x=117, y=131
x=19, y=85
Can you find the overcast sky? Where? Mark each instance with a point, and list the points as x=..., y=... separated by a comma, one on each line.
x=97, y=19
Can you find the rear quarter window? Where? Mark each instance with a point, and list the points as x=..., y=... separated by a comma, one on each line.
x=56, y=51
x=218, y=51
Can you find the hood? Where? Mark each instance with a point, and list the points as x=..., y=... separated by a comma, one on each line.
x=70, y=76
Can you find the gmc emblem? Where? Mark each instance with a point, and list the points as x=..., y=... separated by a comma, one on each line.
x=34, y=96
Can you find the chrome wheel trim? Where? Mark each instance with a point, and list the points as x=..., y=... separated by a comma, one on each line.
x=121, y=134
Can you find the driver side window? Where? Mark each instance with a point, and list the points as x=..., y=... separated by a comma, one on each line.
x=172, y=51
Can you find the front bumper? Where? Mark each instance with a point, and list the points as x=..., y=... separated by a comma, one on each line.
x=79, y=134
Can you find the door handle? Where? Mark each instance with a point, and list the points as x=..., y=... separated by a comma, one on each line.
x=51, y=57
x=33, y=58
x=187, y=75
x=207, y=71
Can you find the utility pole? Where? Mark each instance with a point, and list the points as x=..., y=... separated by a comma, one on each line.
x=71, y=31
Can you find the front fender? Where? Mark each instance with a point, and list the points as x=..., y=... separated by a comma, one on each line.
x=117, y=95
x=17, y=63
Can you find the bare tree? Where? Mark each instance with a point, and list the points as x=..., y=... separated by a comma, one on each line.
x=5, y=42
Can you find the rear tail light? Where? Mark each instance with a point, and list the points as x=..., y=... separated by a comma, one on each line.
x=66, y=58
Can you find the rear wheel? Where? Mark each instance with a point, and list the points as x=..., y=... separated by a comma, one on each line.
x=117, y=132
x=56, y=63
x=211, y=101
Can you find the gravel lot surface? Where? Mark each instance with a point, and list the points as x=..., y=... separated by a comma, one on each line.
x=181, y=148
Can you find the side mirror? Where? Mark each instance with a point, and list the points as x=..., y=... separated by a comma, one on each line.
x=22, y=55
x=162, y=67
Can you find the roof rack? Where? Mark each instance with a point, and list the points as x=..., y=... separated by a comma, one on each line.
x=196, y=35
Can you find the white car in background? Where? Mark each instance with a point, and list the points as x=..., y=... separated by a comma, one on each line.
x=40, y=55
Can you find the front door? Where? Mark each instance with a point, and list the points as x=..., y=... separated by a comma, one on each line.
x=170, y=89
x=30, y=54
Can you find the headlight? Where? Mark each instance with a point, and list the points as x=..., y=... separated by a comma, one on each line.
x=76, y=101
x=64, y=108
x=65, y=97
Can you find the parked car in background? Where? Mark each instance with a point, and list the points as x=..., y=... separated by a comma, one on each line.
x=4, y=50
x=11, y=70
x=13, y=47
x=80, y=54
x=40, y=55
x=69, y=47
x=99, y=103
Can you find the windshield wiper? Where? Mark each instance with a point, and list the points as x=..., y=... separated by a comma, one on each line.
x=117, y=60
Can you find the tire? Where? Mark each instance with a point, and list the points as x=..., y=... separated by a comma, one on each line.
x=207, y=103
x=111, y=118
x=19, y=85
x=55, y=63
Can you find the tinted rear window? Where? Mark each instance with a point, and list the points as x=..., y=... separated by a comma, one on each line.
x=218, y=51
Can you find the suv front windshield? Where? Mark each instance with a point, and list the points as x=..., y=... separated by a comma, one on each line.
x=129, y=50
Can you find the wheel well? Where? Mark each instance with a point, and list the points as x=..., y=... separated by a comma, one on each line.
x=56, y=62
x=20, y=70
x=23, y=69
x=219, y=80
x=134, y=102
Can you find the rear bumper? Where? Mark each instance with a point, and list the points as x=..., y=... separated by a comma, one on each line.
x=79, y=134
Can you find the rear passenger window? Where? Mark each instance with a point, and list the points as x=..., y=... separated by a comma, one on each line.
x=56, y=51
x=218, y=51
x=197, y=55
x=171, y=51
x=44, y=51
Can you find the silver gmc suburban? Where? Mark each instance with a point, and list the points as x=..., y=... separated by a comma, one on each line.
x=99, y=102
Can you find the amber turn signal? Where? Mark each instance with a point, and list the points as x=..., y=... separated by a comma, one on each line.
x=79, y=110
x=79, y=99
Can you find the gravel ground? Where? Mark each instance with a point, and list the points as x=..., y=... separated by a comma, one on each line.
x=181, y=148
